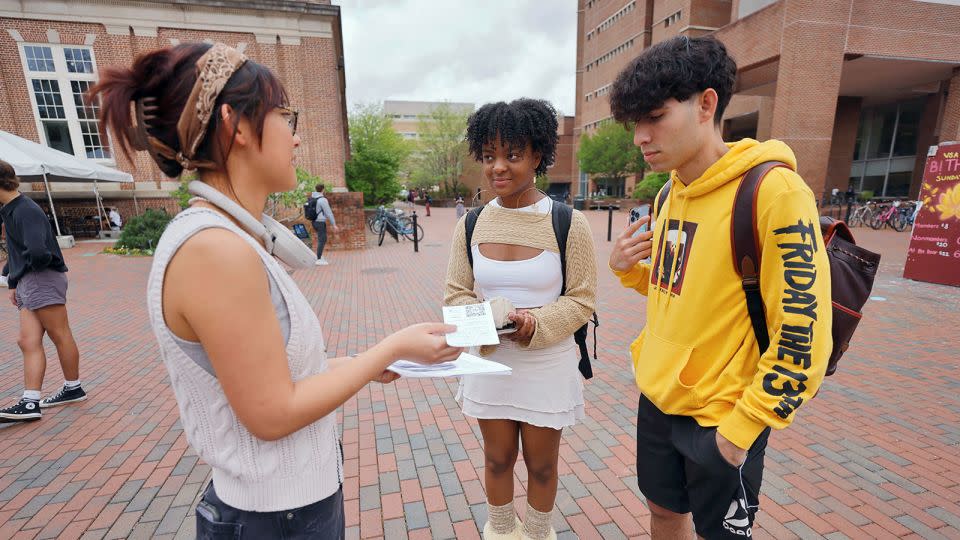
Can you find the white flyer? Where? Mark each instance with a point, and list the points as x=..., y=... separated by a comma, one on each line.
x=465, y=364
x=474, y=324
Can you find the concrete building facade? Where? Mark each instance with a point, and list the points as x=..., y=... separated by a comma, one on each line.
x=858, y=88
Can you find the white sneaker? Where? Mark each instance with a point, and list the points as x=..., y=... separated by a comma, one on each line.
x=321, y=262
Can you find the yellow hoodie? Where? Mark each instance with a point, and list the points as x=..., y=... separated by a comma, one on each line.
x=698, y=355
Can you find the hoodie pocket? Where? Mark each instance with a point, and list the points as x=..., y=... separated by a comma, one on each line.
x=659, y=365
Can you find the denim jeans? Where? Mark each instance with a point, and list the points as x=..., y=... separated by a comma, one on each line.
x=216, y=520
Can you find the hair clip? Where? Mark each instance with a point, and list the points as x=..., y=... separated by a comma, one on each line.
x=144, y=111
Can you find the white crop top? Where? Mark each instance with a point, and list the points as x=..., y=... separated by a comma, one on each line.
x=529, y=283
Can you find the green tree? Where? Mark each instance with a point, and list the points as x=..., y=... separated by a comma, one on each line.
x=441, y=150
x=376, y=155
x=647, y=189
x=610, y=153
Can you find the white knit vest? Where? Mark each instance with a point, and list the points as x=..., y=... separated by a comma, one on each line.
x=249, y=473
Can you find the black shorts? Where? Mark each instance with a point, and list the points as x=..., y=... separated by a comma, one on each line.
x=680, y=468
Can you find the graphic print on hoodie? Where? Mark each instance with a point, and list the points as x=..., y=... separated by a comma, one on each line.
x=674, y=257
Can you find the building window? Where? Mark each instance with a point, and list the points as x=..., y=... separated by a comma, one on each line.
x=886, y=147
x=78, y=60
x=59, y=77
x=39, y=58
x=672, y=19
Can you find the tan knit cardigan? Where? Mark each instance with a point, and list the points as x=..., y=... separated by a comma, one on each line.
x=556, y=321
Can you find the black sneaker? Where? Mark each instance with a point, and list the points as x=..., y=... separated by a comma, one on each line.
x=64, y=396
x=24, y=410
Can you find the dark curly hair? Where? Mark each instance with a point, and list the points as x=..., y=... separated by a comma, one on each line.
x=520, y=122
x=676, y=68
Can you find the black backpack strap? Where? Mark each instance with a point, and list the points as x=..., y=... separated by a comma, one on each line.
x=664, y=193
x=562, y=216
x=470, y=224
x=746, y=247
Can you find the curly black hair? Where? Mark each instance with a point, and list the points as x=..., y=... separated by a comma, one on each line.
x=516, y=123
x=676, y=68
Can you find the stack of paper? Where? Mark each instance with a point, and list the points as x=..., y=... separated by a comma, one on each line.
x=465, y=364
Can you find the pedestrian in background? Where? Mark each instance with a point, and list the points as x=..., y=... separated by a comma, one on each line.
x=37, y=279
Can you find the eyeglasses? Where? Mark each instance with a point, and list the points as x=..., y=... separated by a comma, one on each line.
x=291, y=116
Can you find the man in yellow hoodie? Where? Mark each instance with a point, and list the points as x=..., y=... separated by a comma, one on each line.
x=709, y=395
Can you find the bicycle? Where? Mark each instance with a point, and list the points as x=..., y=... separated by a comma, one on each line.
x=376, y=221
x=862, y=214
x=399, y=225
x=908, y=213
x=889, y=215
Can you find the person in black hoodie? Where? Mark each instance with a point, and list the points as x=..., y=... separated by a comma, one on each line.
x=36, y=276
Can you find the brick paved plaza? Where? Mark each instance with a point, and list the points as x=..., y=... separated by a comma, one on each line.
x=876, y=454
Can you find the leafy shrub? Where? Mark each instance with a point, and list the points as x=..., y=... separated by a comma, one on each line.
x=143, y=232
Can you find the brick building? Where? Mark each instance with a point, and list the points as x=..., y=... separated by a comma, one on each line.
x=858, y=88
x=563, y=171
x=51, y=56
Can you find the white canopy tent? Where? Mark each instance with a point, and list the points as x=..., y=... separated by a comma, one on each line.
x=33, y=162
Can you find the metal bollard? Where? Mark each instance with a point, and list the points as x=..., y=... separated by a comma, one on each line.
x=416, y=239
x=609, y=222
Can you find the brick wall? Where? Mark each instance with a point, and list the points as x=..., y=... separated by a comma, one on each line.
x=563, y=170
x=348, y=211
x=792, y=54
x=74, y=211
x=950, y=128
x=309, y=72
x=844, y=139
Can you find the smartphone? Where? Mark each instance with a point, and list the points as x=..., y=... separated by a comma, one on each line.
x=208, y=511
x=635, y=214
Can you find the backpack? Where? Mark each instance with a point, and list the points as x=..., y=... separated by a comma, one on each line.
x=562, y=216
x=852, y=268
x=310, y=209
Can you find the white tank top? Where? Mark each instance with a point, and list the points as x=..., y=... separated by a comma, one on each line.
x=529, y=283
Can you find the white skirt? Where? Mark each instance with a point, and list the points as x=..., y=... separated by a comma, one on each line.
x=545, y=388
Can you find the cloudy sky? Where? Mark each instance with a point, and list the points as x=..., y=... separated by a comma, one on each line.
x=460, y=50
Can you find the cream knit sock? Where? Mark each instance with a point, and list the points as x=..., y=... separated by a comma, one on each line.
x=536, y=524
x=503, y=519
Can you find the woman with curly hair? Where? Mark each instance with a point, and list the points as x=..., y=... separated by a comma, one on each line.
x=514, y=262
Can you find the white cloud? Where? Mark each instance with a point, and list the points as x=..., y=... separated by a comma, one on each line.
x=460, y=50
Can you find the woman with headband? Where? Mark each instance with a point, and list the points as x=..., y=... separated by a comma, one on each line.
x=512, y=259
x=242, y=345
